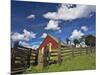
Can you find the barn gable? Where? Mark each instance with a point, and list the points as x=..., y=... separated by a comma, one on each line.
x=49, y=40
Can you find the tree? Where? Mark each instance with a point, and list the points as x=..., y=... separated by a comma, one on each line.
x=90, y=40
x=76, y=41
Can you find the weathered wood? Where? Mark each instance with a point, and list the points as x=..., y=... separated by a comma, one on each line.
x=66, y=54
x=20, y=59
x=40, y=59
x=46, y=56
x=64, y=48
x=72, y=52
x=54, y=51
x=59, y=52
x=66, y=51
x=53, y=55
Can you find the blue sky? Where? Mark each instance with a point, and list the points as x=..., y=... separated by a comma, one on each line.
x=31, y=21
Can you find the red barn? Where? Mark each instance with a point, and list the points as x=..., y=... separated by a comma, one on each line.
x=51, y=41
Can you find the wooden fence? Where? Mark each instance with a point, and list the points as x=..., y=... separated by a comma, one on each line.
x=22, y=58
x=59, y=54
x=75, y=51
x=33, y=57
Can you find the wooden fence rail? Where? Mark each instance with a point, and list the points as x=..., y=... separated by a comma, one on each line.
x=22, y=58
x=61, y=53
x=75, y=51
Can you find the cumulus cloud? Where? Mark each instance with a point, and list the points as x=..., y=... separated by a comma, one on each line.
x=32, y=16
x=84, y=28
x=70, y=12
x=26, y=35
x=17, y=36
x=24, y=44
x=35, y=46
x=44, y=35
x=52, y=24
x=76, y=34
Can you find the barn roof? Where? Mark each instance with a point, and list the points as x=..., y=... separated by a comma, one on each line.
x=56, y=39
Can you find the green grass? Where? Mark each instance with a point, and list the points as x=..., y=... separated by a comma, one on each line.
x=82, y=62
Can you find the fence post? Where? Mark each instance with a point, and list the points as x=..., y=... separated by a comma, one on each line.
x=59, y=52
x=91, y=49
x=45, y=56
x=80, y=51
x=28, y=57
x=72, y=52
x=86, y=50
x=40, y=59
x=37, y=52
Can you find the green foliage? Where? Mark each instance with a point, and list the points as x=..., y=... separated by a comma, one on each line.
x=90, y=40
x=76, y=41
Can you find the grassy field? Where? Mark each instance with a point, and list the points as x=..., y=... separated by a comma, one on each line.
x=82, y=62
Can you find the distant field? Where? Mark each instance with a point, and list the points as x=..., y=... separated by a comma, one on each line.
x=82, y=62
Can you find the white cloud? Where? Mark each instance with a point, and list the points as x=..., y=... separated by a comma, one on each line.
x=35, y=46
x=52, y=24
x=84, y=28
x=26, y=35
x=17, y=36
x=76, y=34
x=32, y=16
x=83, y=44
x=44, y=35
x=24, y=44
x=66, y=12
